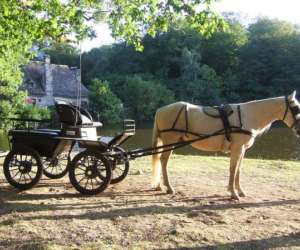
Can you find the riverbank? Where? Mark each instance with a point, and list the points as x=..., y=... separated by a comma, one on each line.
x=130, y=216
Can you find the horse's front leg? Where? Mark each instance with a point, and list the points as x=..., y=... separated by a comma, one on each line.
x=164, y=164
x=237, y=154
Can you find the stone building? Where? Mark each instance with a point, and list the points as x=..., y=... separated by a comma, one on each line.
x=46, y=82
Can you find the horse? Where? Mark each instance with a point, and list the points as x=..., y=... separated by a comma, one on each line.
x=185, y=122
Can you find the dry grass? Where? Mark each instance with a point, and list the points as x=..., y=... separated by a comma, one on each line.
x=130, y=216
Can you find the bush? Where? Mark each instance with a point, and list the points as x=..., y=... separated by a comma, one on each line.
x=30, y=111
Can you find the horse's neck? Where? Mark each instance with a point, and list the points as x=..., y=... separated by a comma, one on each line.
x=261, y=114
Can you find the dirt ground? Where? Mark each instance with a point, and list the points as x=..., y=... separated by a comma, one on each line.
x=129, y=215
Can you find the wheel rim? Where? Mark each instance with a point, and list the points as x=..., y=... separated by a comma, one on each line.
x=90, y=172
x=23, y=168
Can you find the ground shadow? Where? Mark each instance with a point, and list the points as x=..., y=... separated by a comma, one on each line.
x=133, y=211
x=290, y=240
x=32, y=243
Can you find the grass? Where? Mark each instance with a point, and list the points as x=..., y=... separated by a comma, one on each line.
x=130, y=216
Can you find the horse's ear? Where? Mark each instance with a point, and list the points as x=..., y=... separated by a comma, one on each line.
x=292, y=96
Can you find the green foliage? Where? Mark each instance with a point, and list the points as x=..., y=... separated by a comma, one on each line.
x=221, y=50
x=133, y=19
x=65, y=54
x=105, y=104
x=30, y=111
x=269, y=61
x=143, y=97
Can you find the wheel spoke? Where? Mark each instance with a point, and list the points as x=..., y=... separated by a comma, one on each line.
x=30, y=176
x=59, y=166
x=84, y=177
x=13, y=168
x=20, y=177
x=78, y=167
x=79, y=174
x=24, y=177
x=16, y=174
x=86, y=183
x=92, y=183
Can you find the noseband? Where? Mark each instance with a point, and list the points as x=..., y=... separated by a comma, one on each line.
x=295, y=110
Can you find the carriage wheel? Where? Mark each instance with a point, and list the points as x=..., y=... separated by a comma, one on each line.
x=120, y=167
x=57, y=167
x=23, y=168
x=90, y=172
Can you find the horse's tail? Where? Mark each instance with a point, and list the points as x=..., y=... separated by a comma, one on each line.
x=156, y=165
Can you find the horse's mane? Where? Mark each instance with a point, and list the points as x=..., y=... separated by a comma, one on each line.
x=263, y=100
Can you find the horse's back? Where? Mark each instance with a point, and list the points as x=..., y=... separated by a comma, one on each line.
x=172, y=114
x=184, y=115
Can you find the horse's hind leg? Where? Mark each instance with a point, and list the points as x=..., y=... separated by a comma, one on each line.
x=156, y=172
x=164, y=164
x=237, y=182
x=237, y=154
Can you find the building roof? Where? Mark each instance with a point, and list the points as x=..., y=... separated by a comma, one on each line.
x=65, y=80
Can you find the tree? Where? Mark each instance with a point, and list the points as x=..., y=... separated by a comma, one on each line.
x=142, y=97
x=24, y=23
x=105, y=104
x=65, y=54
x=221, y=50
x=268, y=62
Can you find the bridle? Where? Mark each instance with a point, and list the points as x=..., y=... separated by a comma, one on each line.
x=295, y=110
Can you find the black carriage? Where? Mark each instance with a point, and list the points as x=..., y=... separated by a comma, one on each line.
x=101, y=160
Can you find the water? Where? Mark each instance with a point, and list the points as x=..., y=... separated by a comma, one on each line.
x=278, y=143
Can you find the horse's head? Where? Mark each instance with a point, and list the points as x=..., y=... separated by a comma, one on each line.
x=292, y=113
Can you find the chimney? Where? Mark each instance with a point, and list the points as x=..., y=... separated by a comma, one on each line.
x=48, y=81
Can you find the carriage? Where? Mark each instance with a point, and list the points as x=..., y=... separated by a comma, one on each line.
x=101, y=159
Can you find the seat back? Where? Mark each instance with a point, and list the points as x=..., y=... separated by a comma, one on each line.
x=71, y=115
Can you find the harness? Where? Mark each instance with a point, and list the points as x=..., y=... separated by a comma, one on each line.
x=224, y=111
x=295, y=110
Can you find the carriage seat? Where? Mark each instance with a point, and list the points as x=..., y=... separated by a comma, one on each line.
x=214, y=111
x=71, y=115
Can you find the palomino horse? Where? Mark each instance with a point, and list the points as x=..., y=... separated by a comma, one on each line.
x=247, y=121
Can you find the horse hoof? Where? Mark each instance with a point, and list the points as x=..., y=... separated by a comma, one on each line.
x=157, y=188
x=170, y=191
x=235, y=197
x=242, y=194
